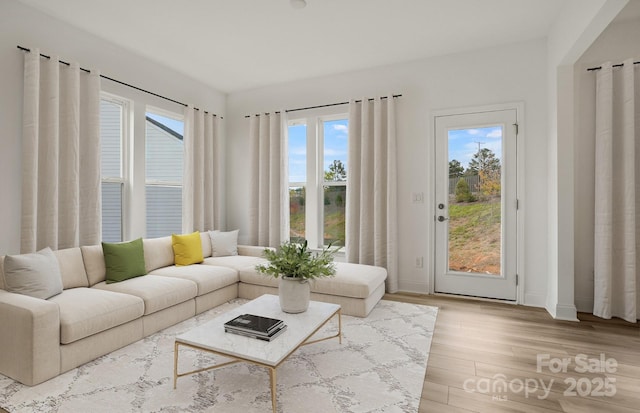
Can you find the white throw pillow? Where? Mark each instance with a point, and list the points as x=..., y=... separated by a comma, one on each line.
x=224, y=243
x=36, y=274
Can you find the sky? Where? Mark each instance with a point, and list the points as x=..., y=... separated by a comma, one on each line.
x=463, y=143
x=335, y=147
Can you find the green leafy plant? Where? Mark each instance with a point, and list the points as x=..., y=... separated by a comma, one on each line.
x=463, y=193
x=296, y=260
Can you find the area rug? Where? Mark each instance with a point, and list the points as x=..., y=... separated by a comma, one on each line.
x=379, y=367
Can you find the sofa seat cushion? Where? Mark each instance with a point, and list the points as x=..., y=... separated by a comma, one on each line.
x=87, y=311
x=157, y=292
x=237, y=262
x=351, y=280
x=249, y=275
x=208, y=278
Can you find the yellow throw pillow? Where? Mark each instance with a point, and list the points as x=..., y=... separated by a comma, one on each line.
x=187, y=248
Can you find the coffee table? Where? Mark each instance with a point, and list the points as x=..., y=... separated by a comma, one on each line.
x=212, y=338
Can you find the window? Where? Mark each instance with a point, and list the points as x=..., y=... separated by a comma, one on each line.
x=318, y=179
x=112, y=137
x=163, y=152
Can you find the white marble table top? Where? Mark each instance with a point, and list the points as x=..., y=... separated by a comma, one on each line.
x=211, y=335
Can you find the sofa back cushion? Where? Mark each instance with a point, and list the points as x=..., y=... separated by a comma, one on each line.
x=94, y=264
x=36, y=274
x=206, y=244
x=72, y=268
x=158, y=253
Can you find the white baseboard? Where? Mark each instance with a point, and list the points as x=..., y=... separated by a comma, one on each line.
x=565, y=312
x=413, y=287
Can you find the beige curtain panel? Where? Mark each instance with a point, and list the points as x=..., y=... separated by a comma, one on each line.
x=61, y=195
x=202, y=190
x=269, y=195
x=617, y=179
x=372, y=235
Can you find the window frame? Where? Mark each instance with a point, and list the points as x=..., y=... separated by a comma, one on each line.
x=314, y=186
x=125, y=148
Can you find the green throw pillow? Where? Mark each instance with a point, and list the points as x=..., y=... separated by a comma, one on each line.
x=123, y=260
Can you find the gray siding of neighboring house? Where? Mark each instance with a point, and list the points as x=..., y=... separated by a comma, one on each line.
x=163, y=155
x=111, y=212
x=110, y=130
x=164, y=210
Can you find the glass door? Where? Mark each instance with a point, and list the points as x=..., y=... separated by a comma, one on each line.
x=476, y=208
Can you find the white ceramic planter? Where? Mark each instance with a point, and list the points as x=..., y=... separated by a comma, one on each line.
x=294, y=294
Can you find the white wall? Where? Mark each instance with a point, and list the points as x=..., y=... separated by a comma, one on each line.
x=576, y=27
x=617, y=43
x=21, y=25
x=515, y=73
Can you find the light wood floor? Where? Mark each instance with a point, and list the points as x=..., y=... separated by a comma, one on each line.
x=474, y=341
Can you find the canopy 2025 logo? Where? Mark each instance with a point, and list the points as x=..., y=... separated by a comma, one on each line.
x=599, y=386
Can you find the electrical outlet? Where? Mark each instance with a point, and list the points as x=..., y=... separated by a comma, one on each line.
x=419, y=262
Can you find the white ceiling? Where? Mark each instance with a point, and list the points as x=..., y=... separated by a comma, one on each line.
x=234, y=45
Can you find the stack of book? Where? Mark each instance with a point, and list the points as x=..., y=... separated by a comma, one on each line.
x=255, y=326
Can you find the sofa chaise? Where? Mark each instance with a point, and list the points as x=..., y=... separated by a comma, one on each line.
x=43, y=338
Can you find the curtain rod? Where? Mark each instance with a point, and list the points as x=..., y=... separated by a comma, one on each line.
x=118, y=81
x=591, y=69
x=325, y=106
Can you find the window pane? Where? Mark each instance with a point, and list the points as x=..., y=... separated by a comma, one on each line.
x=298, y=153
x=163, y=152
x=112, y=211
x=297, y=199
x=335, y=170
x=111, y=129
x=475, y=179
x=164, y=210
x=111, y=139
x=334, y=214
x=163, y=149
x=335, y=150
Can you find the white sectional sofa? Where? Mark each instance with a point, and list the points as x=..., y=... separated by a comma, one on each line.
x=42, y=338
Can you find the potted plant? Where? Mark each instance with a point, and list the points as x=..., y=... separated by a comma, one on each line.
x=296, y=265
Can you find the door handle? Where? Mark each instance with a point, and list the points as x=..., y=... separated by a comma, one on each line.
x=442, y=219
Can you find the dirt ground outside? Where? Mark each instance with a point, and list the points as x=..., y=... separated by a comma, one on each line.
x=474, y=236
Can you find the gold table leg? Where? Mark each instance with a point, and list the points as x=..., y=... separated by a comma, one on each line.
x=340, y=326
x=272, y=374
x=175, y=365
